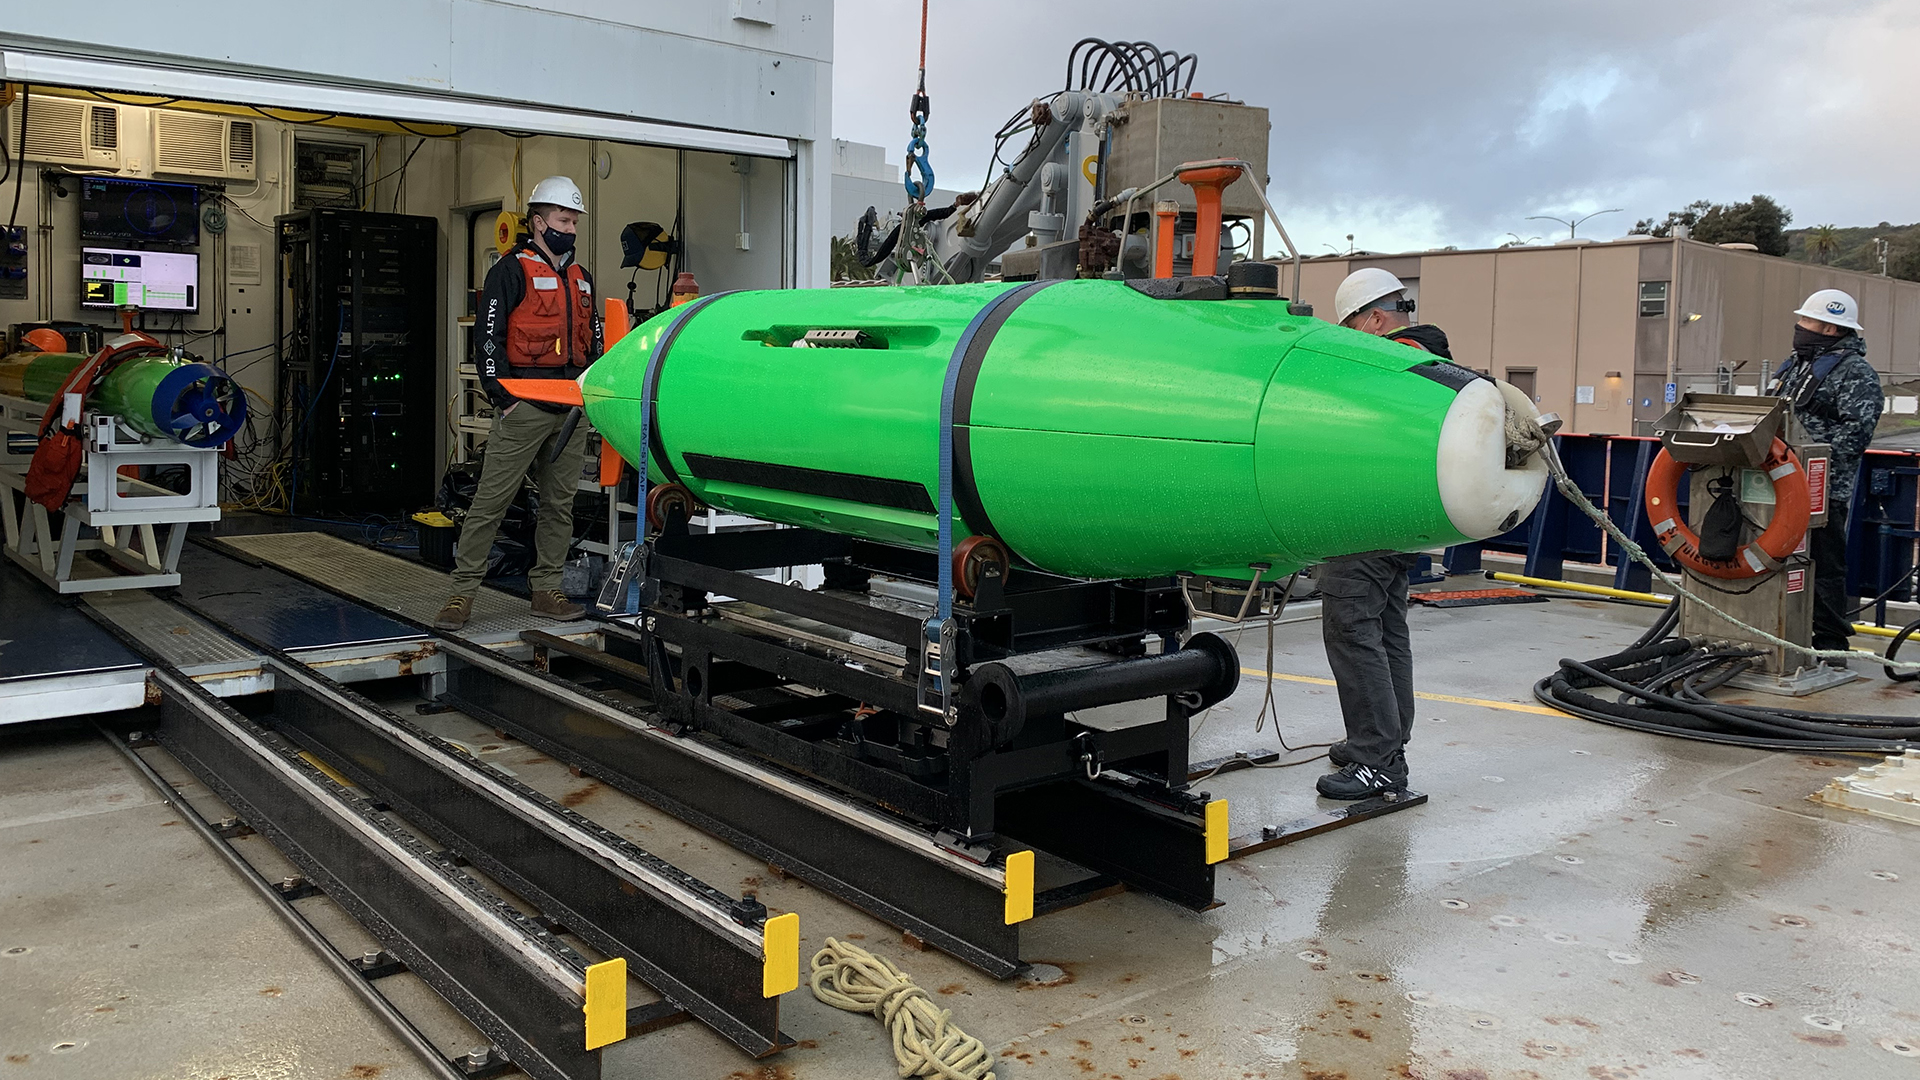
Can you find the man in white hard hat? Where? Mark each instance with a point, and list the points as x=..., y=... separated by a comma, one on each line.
x=1836, y=394
x=1363, y=599
x=536, y=321
x=1373, y=301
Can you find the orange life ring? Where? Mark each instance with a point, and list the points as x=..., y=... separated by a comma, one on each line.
x=1791, y=506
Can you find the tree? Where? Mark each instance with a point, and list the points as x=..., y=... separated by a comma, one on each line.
x=1905, y=263
x=1760, y=221
x=843, y=259
x=1822, y=242
x=1688, y=215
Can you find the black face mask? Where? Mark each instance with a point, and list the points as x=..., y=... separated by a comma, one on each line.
x=1808, y=344
x=560, y=243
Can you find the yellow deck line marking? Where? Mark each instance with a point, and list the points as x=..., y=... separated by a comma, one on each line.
x=606, y=1005
x=780, y=945
x=1485, y=703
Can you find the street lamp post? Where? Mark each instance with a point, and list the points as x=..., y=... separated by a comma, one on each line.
x=1337, y=251
x=1573, y=226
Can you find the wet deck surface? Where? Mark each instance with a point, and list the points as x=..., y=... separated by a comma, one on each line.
x=1575, y=901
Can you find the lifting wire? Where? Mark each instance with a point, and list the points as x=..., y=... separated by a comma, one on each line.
x=915, y=250
x=925, y=1040
x=917, y=111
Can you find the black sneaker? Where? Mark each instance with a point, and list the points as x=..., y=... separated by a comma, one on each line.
x=1337, y=753
x=1356, y=781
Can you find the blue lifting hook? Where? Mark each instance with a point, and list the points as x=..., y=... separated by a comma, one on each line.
x=917, y=150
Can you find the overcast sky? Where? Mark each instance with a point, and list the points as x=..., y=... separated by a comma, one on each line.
x=1417, y=125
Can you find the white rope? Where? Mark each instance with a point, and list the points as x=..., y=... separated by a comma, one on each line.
x=1638, y=554
x=925, y=1040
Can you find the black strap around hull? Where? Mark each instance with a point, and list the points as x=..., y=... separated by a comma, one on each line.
x=966, y=493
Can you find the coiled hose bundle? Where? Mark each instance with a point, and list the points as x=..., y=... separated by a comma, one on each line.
x=1662, y=687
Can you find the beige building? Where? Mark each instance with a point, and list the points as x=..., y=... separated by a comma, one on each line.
x=1596, y=331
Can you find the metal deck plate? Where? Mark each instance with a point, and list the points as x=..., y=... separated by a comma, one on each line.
x=174, y=634
x=55, y=661
x=41, y=636
x=274, y=609
x=404, y=588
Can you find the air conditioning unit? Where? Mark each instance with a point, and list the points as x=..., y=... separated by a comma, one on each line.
x=72, y=132
x=203, y=144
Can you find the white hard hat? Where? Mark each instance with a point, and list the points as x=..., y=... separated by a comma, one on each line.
x=1832, y=306
x=558, y=191
x=1363, y=287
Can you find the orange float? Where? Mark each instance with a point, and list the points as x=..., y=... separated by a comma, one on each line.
x=1792, y=505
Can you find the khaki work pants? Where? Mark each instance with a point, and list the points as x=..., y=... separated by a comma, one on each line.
x=520, y=443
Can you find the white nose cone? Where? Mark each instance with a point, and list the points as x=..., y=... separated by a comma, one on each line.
x=1482, y=497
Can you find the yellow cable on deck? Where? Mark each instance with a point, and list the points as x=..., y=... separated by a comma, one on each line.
x=925, y=1041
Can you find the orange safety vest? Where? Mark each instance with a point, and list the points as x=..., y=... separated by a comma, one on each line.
x=552, y=326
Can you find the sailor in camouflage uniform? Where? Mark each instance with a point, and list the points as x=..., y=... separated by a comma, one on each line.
x=1837, y=396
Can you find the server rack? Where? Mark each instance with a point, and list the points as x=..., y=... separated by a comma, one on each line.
x=357, y=359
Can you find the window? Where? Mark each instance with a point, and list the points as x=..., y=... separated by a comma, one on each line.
x=1522, y=380
x=1653, y=299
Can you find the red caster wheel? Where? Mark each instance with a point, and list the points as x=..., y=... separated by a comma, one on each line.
x=665, y=499
x=970, y=559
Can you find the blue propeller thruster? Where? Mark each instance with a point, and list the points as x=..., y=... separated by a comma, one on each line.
x=200, y=405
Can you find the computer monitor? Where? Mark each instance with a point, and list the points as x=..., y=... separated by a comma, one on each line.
x=139, y=211
x=154, y=280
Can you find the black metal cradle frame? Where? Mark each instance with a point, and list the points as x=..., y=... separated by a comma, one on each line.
x=1007, y=758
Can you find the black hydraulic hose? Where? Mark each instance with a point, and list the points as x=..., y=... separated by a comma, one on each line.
x=886, y=248
x=1665, y=683
x=1811, y=732
x=1662, y=626
x=1860, y=720
x=1692, y=688
x=1677, y=681
x=1639, y=654
x=1893, y=647
x=1625, y=717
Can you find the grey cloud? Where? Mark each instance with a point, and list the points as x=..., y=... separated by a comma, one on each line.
x=1448, y=123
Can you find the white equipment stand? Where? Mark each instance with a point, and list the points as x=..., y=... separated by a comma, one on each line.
x=139, y=525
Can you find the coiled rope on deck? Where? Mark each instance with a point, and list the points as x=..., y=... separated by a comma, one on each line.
x=925, y=1040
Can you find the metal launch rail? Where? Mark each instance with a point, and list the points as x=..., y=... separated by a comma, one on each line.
x=966, y=900
x=549, y=1009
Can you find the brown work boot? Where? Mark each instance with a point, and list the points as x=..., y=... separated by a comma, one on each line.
x=454, y=615
x=554, y=604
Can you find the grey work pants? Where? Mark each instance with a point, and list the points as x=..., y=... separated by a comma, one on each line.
x=521, y=442
x=1363, y=620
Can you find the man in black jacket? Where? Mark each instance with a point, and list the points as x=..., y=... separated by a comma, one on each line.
x=1836, y=394
x=536, y=321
